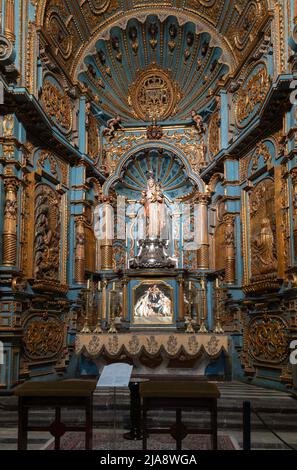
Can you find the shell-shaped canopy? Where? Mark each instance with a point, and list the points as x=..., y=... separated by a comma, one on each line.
x=153, y=69
x=163, y=166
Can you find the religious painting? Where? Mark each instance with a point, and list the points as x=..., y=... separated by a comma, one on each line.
x=153, y=303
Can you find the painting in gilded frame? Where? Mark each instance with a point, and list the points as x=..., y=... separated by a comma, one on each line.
x=153, y=303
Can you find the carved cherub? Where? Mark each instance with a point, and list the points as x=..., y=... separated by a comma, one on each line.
x=198, y=121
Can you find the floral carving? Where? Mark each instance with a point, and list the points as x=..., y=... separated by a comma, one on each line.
x=94, y=344
x=212, y=347
x=93, y=138
x=193, y=344
x=172, y=344
x=214, y=134
x=113, y=344
x=134, y=344
x=152, y=345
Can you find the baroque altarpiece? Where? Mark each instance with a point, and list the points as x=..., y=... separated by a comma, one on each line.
x=148, y=188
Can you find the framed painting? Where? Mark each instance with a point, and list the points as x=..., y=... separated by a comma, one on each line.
x=152, y=303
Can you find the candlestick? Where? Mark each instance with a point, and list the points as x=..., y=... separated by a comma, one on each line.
x=98, y=328
x=218, y=327
x=86, y=328
x=203, y=328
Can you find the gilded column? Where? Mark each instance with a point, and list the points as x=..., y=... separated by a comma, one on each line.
x=294, y=196
x=9, y=20
x=203, y=252
x=10, y=222
x=106, y=244
x=80, y=255
x=229, y=242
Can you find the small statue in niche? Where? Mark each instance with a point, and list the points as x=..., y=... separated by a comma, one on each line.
x=113, y=125
x=10, y=208
x=198, y=122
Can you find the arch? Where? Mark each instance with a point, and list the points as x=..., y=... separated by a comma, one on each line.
x=95, y=185
x=119, y=20
x=151, y=145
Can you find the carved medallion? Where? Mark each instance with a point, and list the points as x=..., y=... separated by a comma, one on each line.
x=43, y=338
x=267, y=339
x=154, y=96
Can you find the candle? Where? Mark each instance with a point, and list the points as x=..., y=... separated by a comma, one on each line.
x=99, y=285
x=113, y=286
x=217, y=282
x=190, y=285
x=88, y=284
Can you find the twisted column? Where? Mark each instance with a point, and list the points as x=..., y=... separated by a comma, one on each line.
x=9, y=236
x=229, y=241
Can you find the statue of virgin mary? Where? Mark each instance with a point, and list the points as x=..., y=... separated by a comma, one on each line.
x=155, y=211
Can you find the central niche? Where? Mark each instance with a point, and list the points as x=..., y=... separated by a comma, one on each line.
x=166, y=169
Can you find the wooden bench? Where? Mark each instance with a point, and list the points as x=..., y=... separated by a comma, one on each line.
x=56, y=394
x=179, y=396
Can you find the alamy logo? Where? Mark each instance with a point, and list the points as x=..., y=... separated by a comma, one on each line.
x=293, y=355
x=293, y=94
x=1, y=353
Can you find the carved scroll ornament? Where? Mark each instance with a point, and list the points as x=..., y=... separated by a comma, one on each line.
x=251, y=95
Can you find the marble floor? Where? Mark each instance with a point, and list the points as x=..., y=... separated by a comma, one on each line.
x=278, y=409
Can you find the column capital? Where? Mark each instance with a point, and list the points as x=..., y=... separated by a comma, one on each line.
x=229, y=219
x=203, y=198
x=11, y=183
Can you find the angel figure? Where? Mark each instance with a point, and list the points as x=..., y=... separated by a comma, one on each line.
x=198, y=122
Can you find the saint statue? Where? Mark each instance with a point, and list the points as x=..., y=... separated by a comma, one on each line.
x=155, y=211
x=263, y=245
